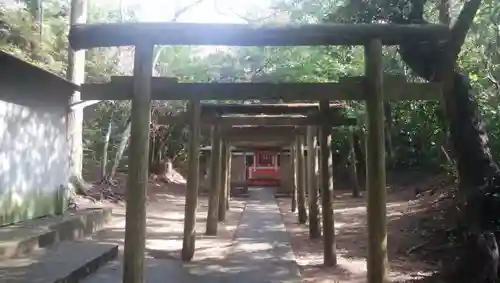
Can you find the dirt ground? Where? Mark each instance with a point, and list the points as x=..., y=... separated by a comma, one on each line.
x=408, y=202
x=405, y=211
x=165, y=219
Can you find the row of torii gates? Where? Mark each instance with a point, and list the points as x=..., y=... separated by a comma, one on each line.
x=372, y=88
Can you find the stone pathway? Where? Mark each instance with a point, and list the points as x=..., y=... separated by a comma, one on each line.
x=261, y=253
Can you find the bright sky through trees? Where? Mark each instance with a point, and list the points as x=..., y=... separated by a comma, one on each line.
x=208, y=11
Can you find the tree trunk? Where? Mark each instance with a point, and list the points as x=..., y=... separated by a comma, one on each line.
x=352, y=167
x=388, y=135
x=76, y=74
x=478, y=173
x=121, y=149
x=36, y=10
x=104, y=157
x=468, y=135
x=359, y=152
x=154, y=156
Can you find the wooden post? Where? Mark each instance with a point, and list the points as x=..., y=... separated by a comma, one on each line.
x=229, y=174
x=314, y=229
x=293, y=159
x=213, y=202
x=245, y=187
x=377, y=264
x=316, y=163
x=301, y=186
x=329, y=246
x=193, y=179
x=135, y=218
x=223, y=180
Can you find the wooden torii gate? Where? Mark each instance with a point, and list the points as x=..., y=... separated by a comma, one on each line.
x=370, y=88
x=254, y=123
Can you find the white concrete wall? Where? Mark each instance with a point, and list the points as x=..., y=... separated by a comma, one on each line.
x=34, y=159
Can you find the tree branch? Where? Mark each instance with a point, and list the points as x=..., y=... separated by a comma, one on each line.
x=177, y=15
x=493, y=80
x=185, y=9
x=245, y=18
x=461, y=27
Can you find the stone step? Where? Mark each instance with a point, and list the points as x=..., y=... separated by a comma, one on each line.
x=64, y=262
x=25, y=237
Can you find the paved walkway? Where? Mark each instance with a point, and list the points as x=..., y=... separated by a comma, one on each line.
x=261, y=253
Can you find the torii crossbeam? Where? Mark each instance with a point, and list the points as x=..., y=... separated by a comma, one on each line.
x=371, y=89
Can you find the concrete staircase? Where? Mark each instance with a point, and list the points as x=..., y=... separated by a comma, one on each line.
x=54, y=249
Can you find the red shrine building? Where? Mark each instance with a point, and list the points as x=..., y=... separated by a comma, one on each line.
x=254, y=167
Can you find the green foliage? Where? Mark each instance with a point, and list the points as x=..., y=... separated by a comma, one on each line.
x=417, y=133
